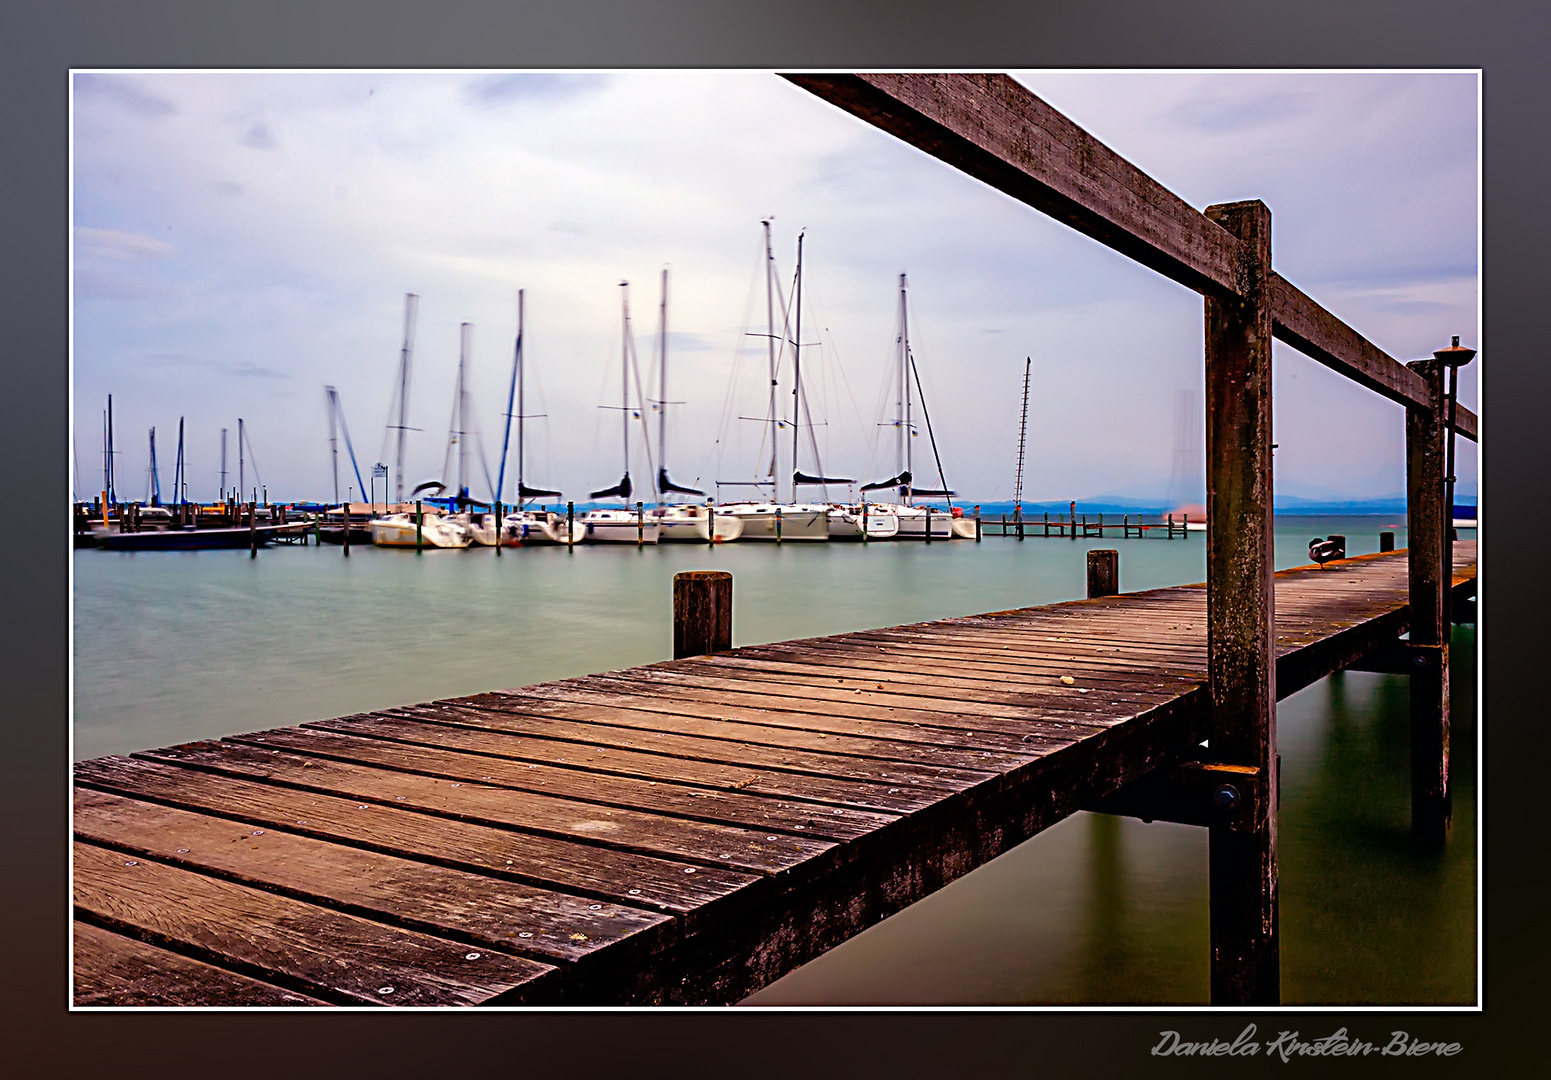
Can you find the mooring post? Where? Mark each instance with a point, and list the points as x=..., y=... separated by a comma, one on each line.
x=1241, y=668
x=702, y=612
x=419, y=527
x=778, y=524
x=252, y=533
x=1047, y=522
x=496, y=515
x=1427, y=522
x=977, y=523
x=640, y=525
x=864, y=519
x=570, y=527
x=346, y=511
x=1386, y=541
x=928, y=524
x=1103, y=572
x=1074, y=520
x=710, y=534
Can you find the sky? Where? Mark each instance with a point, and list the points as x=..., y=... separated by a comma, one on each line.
x=242, y=240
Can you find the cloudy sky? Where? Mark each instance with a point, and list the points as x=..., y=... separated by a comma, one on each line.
x=242, y=240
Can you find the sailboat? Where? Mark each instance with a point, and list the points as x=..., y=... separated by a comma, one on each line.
x=523, y=526
x=683, y=522
x=429, y=529
x=916, y=522
x=619, y=526
x=792, y=520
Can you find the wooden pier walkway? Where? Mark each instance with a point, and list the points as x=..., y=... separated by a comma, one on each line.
x=683, y=832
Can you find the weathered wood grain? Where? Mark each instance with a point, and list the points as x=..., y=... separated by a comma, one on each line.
x=548, y=926
x=111, y=969
x=320, y=952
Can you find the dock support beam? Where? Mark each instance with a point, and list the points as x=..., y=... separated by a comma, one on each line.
x=1241, y=668
x=1428, y=520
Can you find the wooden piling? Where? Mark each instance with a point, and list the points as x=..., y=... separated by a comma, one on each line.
x=702, y=612
x=1427, y=521
x=345, y=515
x=1241, y=670
x=928, y=524
x=1103, y=572
x=252, y=533
x=419, y=527
x=710, y=534
x=1386, y=541
x=778, y=524
x=977, y=525
x=640, y=525
x=496, y=514
x=570, y=526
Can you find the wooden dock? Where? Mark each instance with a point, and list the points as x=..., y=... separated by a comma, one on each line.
x=684, y=832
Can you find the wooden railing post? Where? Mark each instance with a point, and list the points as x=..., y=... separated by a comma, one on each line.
x=702, y=612
x=1427, y=524
x=1241, y=669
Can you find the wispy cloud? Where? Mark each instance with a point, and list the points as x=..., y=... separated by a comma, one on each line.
x=505, y=89
x=114, y=244
x=1227, y=113
x=124, y=93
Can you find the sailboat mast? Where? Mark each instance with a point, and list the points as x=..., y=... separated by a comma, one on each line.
x=333, y=403
x=906, y=451
x=223, y=463
x=464, y=331
x=1023, y=430
x=624, y=372
x=241, y=461
x=180, y=475
x=406, y=354
x=112, y=493
x=662, y=379
x=770, y=337
x=156, y=481
x=521, y=411
x=797, y=370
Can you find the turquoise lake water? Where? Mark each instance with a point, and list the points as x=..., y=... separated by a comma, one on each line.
x=170, y=647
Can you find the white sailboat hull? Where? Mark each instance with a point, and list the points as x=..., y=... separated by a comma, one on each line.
x=529, y=529
x=692, y=524
x=398, y=530
x=615, y=527
x=846, y=523
x=803, y=523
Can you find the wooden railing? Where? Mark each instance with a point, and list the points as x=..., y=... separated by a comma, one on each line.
x=999, y=132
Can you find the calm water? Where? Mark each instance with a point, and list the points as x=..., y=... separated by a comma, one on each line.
x=177, y=646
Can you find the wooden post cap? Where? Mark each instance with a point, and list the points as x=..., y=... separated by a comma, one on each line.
x=702, y=612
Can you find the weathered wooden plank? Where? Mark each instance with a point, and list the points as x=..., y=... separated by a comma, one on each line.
x=323, y=953
x=551, y=700
x=726, y=846
x=720, y=762
x=651, y=713
x=112, y=969
x=685, y=889
x=570, y=932
x=752, y=799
